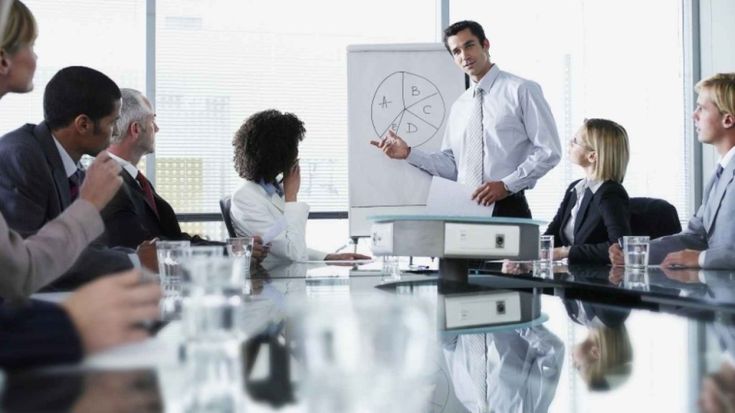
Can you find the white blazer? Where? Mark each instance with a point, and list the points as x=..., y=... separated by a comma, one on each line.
x=253, y=212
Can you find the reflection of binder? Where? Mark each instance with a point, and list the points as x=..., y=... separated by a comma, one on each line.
x=487, y=308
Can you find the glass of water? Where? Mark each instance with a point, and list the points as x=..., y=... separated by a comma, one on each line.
x=391, y=269
x=240, y=249
x=170, y=256
x=636, y=279
x=635, y=251
x=546, y=250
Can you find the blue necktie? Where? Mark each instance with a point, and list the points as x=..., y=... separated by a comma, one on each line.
x=710, y=206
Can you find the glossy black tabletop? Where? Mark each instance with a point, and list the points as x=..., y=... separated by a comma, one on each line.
x=704, y=294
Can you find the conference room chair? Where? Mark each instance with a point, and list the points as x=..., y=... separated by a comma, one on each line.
x=653, y=217
x=224, y=205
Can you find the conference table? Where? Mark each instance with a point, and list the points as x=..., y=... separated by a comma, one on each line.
x=350, y=338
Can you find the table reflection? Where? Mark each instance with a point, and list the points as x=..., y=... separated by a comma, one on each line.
x=83, y=392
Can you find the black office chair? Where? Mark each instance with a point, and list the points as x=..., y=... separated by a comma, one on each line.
x=653, y=217
x=224, y=205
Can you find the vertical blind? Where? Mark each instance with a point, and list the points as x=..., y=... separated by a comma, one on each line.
x=219, y=61
x=108, y=36
x=619, y=60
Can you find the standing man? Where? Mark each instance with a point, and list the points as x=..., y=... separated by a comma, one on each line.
x=500, y=136
x=709, y=240
x=40, y=173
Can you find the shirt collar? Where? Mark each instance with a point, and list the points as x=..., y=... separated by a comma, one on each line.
x=129, y=167
x=487, y=81
x=727, y=158
x=583, y=184
x=70, y=168
x=270, y=189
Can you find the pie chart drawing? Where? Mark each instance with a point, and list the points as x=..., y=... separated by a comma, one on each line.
x=410, y=104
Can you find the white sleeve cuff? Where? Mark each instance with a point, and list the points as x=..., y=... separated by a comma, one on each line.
x=700, y=260
x=135, y=260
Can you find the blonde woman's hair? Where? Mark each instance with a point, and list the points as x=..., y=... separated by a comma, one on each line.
x=614, y=364
x=722, y=88
x=610, y=141
x=20, y=28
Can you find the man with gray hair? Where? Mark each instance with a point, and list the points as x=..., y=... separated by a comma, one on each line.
x=137, y=212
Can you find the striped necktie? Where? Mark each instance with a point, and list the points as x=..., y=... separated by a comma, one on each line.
x=475, y=143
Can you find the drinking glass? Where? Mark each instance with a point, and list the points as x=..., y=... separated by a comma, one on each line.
x=635, y=251
x=546, y=250
x=170, y=255
x=241, y=250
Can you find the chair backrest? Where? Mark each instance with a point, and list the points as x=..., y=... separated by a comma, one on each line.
x=224, y=205
x=653, y=217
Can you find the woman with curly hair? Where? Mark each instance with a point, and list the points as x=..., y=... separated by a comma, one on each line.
x=266, y=148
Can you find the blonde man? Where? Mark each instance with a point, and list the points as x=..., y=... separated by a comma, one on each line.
x=709, y=240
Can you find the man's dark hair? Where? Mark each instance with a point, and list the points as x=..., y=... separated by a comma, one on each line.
x=457, y=27
x=78, y=90
x=267, y=144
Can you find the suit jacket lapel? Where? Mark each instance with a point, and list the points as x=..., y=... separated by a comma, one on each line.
x=721, y=187
x=586, y=200
x=42, y=133
x=131, y=182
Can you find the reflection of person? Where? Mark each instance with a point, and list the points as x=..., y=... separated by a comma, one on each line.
x=594, y=211
x=717, y=393
x=266, y=146
x=603, y=358
x=514, y=370
x=4, y=9
x=30, y=264
x=709, y=240
x=41, y=170
x=500, y=136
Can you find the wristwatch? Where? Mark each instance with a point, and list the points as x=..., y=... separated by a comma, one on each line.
x=506, y=188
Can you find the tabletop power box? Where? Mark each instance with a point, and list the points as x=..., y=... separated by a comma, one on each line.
x=470, y=240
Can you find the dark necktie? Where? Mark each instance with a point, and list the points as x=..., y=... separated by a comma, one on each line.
x=147, y=191
x=75, y=181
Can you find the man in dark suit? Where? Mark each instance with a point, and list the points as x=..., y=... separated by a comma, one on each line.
x=137, y=213
x=40, y=173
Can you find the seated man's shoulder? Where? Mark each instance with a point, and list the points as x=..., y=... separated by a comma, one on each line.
x=20, y=137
